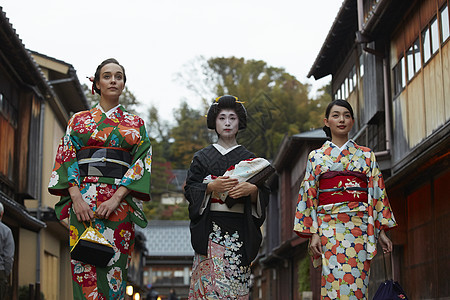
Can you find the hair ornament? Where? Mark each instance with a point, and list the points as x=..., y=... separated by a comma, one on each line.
x=91, y=79
x=236, y=99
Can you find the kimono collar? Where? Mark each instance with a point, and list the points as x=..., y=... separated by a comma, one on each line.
x=348, y=143
x=222, y=150
x=109, y=112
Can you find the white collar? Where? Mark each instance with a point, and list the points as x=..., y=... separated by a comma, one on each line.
x=109, y=112
x=222, y=150
x=343, y=146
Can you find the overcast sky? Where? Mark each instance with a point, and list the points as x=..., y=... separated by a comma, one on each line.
x=153, y=40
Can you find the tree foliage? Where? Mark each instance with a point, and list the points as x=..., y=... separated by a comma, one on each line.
x=127, y=99
x=189, y=135
x=277, y=103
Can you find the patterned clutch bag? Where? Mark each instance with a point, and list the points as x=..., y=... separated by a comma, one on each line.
x=92, y=248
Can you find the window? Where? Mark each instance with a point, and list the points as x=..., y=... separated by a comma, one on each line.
x=410, y=62
x=434, y=36
x=444, y=23
x=344, y=91
x=375, y=134
x=350, y=83
x=352, y=79
x=361, y=65
x=8, y=110
x=347, y=86
x=417, y=63
x=399, y=76
x=403, y=69
x=413, y=59
x=426, y=45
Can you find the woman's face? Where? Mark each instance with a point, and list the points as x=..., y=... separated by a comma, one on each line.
x=227, y=123
x=340, y=121
x=111, y=81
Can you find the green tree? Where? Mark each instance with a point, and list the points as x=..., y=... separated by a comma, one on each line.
x=190, y=134
x=127, y=99
x=316, y=108
x=277, y=103
x=159, y=132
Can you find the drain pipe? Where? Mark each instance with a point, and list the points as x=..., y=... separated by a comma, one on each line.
x=39, y=206
x=363, y=38
x=387, y=107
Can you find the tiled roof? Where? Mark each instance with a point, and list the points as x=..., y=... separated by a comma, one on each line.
x=316, y=133
x=20, y=213
x=167, y=238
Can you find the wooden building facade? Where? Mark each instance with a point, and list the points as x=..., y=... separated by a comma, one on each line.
x=37, y=95
x=391, y=60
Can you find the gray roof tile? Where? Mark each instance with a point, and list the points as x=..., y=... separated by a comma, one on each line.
x=167, y=238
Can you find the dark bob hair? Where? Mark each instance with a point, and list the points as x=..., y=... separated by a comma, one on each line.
x=338, y=102
x=226, y=102
x=99, y=68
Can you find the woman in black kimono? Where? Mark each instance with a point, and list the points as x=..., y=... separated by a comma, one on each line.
x=226, y=211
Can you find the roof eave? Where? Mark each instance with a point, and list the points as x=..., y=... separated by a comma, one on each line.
x=316, y=68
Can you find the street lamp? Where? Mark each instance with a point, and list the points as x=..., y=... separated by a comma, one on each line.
x=129, y=290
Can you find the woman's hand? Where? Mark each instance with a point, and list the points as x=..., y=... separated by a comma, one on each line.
x=221, y=184
x=79, y=206
x=105, y=209
x=315, y=245
x=385, y=242
x=244, y=189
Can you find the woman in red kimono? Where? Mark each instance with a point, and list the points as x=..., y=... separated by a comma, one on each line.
x=343, y=208
x=102, y=173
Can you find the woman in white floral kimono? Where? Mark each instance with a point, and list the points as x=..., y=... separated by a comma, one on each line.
x=343, y=208
x=102, y=173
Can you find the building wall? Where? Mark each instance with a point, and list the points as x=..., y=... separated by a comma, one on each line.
x=423, y=105
x=50, y=262
x=421, y=208
x=53, y=132
x=419, y=160
x=27, y=259
x=8, y=123
x=56, y=273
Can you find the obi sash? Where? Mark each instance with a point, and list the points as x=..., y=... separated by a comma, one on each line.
x=103, y=161
x=342, y=186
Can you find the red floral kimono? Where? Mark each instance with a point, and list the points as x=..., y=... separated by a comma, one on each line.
x=94, y=129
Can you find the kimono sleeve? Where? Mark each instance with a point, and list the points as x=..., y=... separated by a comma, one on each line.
x=305, y=221
x=259, y=209
x=383, y=216
x=137, y=178
x=195, y=189
x=65, y=172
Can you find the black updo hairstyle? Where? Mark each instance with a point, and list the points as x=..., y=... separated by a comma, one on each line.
x=226, y=102
x=338, y=102
x=99, y=68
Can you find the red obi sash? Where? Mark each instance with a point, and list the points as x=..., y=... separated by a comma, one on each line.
x=342, y=186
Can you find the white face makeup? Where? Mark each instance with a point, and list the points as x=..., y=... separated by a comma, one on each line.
x=227, y=123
